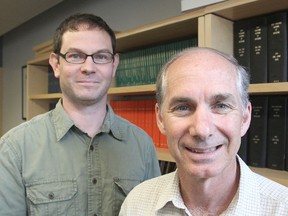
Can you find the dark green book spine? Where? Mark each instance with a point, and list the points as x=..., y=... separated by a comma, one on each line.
x=258, y=51
x=257, y=133
x=277, y=47
x=241, y=32
x=277, y=132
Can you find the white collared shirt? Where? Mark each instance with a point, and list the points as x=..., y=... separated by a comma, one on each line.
x=256, y=196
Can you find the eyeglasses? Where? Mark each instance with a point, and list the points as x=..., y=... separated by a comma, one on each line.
x=74, y=57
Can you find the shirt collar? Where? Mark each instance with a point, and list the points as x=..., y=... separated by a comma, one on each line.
x=171, y=193
x=63, y=123
x=61, y=120
x=247, y=190
x=111, y=123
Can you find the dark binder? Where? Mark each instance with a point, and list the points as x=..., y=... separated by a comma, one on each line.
x=257, y=133
x=277, y=47
x=277, y=124
x=243, y=150
x=241, y=32
x=258, y=50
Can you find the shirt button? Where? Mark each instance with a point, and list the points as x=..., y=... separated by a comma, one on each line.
x=94, y=180
x=51, y=196
x=91, y=148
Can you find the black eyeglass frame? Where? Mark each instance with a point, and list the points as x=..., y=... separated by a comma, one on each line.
x=86, y=56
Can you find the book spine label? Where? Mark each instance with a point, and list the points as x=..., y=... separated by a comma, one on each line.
x=277, y=123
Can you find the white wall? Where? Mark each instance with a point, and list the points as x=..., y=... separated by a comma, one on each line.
x=121, y=15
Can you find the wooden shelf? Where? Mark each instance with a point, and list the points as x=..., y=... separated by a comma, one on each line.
x=164, y=154
x=241, y=9
x=133, y=90
x=42, y=59
x=275, y=175
x=262, y=88
x=45, y=96
x=185, y=25
x=269, y=88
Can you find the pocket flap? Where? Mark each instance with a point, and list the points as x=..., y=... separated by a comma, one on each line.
x=53, y=191
x=126, y=185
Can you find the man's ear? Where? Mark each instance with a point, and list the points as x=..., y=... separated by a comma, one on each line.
x=54, y=62
x=159, y=119
x=246, y=119
x=115, y=64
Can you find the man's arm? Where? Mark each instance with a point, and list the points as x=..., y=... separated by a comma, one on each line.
x=12, y=190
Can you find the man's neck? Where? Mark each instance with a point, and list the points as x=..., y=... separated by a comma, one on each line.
x=89, y=119
x=209, y=196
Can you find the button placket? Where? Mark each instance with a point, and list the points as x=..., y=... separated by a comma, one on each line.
x=94, y=175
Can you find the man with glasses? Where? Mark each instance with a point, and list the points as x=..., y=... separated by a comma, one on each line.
x=80, y=158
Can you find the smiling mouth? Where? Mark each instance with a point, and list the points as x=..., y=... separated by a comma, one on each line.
x=87, y=81
x=204, y=150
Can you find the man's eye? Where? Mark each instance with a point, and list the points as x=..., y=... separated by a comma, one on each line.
x=75, y=56
x=222, y=108
x=101, y=56
x=181, y=109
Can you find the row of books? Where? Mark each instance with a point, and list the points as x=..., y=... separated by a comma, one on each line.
x=260, y=44
x=139, y=67
x=266, y=142
x=142, y=114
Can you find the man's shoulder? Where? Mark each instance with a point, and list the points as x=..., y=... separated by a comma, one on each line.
x=268, y=189
x=25, y=128
x=272, y=190
x=35, y=121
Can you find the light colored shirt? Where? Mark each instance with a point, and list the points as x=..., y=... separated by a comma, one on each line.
x=50, y=167
x=256, y=196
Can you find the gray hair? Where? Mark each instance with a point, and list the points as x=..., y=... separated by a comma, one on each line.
x=242, y=75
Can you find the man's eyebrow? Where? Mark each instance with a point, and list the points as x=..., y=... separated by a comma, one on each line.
x=223, y=97
x=218, y=97
x=72, y=49
x=180, y=100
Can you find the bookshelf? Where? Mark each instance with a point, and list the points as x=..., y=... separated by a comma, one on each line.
x=212, y=24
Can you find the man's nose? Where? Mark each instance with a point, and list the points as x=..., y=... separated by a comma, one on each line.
x=88, y=66
x=201, y=123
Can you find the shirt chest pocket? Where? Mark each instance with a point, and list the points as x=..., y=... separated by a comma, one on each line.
x=52, y=198
x=122, y=187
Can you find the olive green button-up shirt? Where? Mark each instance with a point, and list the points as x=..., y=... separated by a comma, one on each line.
x=50, y=167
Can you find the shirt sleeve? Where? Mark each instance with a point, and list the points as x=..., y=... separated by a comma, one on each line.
x=153, y=168
x=12, y=191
